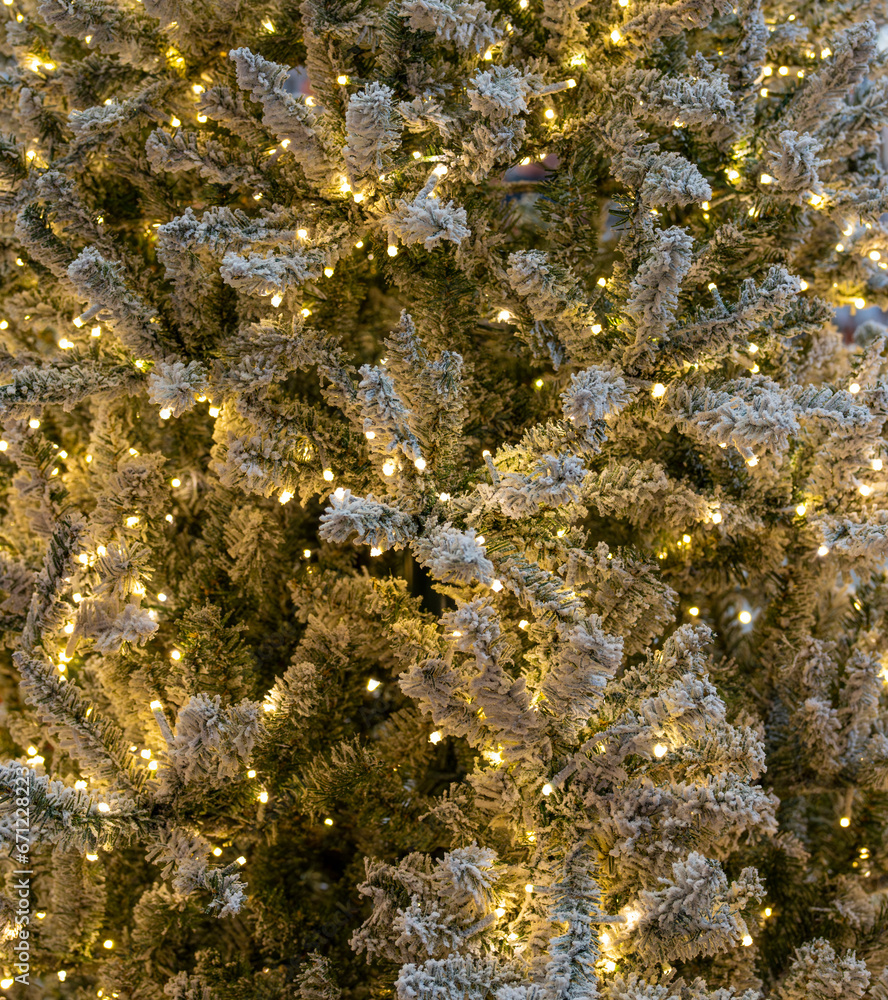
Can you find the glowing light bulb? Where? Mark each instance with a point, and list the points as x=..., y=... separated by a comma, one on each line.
x=610, y=965
x=131, y=522
x=693, y=611
x=33, y=423
x=276, y=300
x=865, y=490
x=766, y=179
x=660, y=750
x=500, y=911
x=840, y=247
x=802, y=509
x=302, y=233
x=241, y=860
x=62, y=975
x=420, y=464
x=342, y=80
x=547, y=789
x=496, y=586
x=733, y=175
x=752, y=462
x=747, y=940
x=745, y=617
x=876, y=464
x=854, y=388
x=263, y=796
x=845, y=821
x=538, y=383
x=767, y=911
x=328, y=475
x=658, y=390
x=875, y=255
x=528, y=887
x=214, y=411
x=616, y=36
x=823, y=550
x=103, y=807
x=6, y=983
x=372, y=684
x=436, y=736
x=375, y=551
x=388, y=469
x=549, y=113
x=444, y=497
x=860, y=303
x=392, y=251
x=175, y=655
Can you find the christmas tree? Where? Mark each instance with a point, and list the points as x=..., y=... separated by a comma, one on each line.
x=442, y=530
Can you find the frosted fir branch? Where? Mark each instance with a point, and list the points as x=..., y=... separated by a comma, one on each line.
x=499, y=92
x=554, y=481
x=654, y=291
x=573, y=903
x=817, y=970
x=642, y=492
x=375, y=523
x=754, y=415
x=112, y=29
x=267, y=274
x=211, y=159
x=490, y=144
x=469, y=25
x=173, y=385
x=212, y=745
x=186, y=860
x=107, y=121
x=463, y=976
x=428, y=221
x=696, y=913
x=662, y=20
x=103, y=283
x=66, y=386
x=551, y=290
x=69, y=818
x=284, y=114
x=595, y=395
x=580, y=664
x=703, y=99
x=36, y=235
x=794, y=165
x=453, y=556
x=111, y=628
x=384, y=415
x=853, y=51
x=373, y=128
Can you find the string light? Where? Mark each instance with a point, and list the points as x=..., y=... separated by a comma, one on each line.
x=285, y=497
x=217, y=852
x=547, y=789
x=658, y=390
x=660, y=750
x=420, y=464
x=375, y=551
x=845, y=822
x=388, y=469
x=747, y=940
x=766, y=179
x=745, y=617
x=103, y=807
x=263, y=796
x=876, y=464
x=33, y=423
x=694, y=611
x=372, y=684
x=496, y=586
x=801, y=509
x=616, y=36
x=175, y=655
x=854, y=388
x=752, y=461
x=108, y=943
x=276, y=300
x=392, y=251
x=865, y=490
x=823, y=550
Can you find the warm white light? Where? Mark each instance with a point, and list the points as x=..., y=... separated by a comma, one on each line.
x=372, y=684
x=860, y=303
x=801, y=509
x=392, y=251
x=766, y=179
x=33, y=423
x=104, y=807
x=420, y=464
x=500, y=911
x=616, y=36
x=865, y=490
x=342, y=80
x=745, y=617
x=263, y=797
x=823, y=550
x=388, y=469
x=214, y=411
x=328, y=822
x=693, y=611
x=876, y=464
x=875, y=255
x=276, y=300
x=854, y=388
x=660, y=750
x=328, y=475
x=752, y=462
x=175, y=655
x=302, y=233
x=658, y=390
x=444, y=497
x=496, y=586
x=549, y=113
x=436, y=736
x=285, y=497
x=328, y=271
x=547, y=789
x=375, y=551
x=747, y=940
